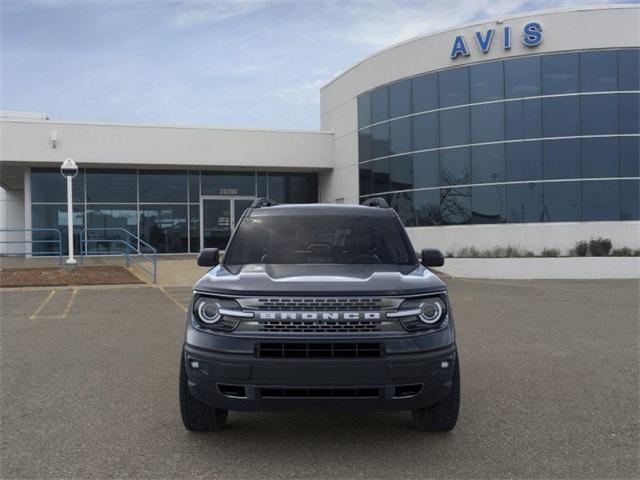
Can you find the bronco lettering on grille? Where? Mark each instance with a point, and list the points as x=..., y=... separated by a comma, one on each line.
x=319, y=316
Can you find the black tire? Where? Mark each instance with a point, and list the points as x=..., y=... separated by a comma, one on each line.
x=198, y=416
x=442, y=416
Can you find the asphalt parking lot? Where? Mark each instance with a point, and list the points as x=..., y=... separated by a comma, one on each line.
x=549, y=390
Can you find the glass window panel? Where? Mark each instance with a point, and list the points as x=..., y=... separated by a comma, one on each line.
x=402, y=173
x=424, y=93
x=600, y=200
x=194, y=186
x=48, y=185
x=487, y=123
x=524, y=161
x=293, y=187
x=425, y=131
x=364, y=110
x=600, y=157
x=523, y=119
x=366, y=178
x=163, y=186
x=426, y=169
x=380, y=105
x=426, y=205
x=561, y=159
x=381, y=175
x=110, y=223
x=486, y=81
x=400, y=135
x=53, y=216
x=228, y=183
x=561, y=116
x=454, y=87
x=629, y=69
x=629, y=113
x=194, y=227
x=560, y=73
x=365, y=144
x=262, y=184
x=629, y=200
x=455, y=206
x=488, y=204
x=454, y=127
x=630, y=156
x=455, y=166
x=402, y=203
x=487, y=164
x=599, y=71
x=599, y=114
x=380, y=140
x=522, y=77
x=165, y=227
x=400, y=98
x=524, y=203
x=112, y=186
x=562, y=201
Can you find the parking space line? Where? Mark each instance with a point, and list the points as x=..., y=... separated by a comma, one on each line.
x=42, y=305
x=69, y=303
x=172, y=298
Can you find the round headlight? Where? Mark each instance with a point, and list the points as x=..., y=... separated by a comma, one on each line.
x=431, y=311
x=208, y=311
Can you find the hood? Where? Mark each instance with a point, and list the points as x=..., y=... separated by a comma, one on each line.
x=343, y=280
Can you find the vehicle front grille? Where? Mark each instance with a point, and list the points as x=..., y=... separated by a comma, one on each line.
x=320, y=326
x=336, y=392
x=319, y=304
x=320, y=350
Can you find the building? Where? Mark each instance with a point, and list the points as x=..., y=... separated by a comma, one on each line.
x=517, y=131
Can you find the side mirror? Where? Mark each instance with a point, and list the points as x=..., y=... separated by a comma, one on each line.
x=432, y=257
x=209, y=257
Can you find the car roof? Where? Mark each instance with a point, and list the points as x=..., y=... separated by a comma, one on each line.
x=321, y=209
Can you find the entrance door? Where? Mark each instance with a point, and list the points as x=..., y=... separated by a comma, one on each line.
x=218, y=218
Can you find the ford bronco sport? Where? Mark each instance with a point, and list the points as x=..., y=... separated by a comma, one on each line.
x=319, y=306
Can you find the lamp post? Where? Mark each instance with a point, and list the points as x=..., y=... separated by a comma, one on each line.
x=69, y=170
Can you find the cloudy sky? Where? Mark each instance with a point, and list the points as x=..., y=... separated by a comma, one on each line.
x=231, y=63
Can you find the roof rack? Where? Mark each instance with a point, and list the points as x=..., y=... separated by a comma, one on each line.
x=378, y=202
x=263, y=202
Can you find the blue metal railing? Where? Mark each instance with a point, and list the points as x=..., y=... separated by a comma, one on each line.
x=131, y=248
x=57, y=241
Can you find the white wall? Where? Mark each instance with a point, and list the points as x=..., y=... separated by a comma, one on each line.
x=529, y=236
x=11, y=216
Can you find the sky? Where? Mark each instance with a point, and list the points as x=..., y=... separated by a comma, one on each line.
x=226, y=63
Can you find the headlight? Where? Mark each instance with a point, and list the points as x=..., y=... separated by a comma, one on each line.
x=422, y=313
x=217, y=313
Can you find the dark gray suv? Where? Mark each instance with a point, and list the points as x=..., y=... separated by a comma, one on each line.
x=320, y=306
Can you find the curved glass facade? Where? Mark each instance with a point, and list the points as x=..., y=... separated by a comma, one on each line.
x=544, y=138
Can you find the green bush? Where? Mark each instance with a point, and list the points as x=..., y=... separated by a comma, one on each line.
x=600, y=247
x=625, y=252
x=581, y=248
x=550, y=252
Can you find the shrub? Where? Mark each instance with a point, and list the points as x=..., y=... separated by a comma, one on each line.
x=600, y=247
x=581, y=248
x=625, y=252
x=550, y=252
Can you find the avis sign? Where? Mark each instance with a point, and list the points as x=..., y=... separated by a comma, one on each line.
x=531, y=37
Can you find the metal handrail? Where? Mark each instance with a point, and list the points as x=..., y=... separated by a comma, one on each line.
x=31, y=241
x=129, y=250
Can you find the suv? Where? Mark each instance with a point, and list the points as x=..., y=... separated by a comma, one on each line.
x=319, y=306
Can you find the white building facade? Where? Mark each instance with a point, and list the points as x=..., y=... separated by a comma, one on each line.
x=520, y=131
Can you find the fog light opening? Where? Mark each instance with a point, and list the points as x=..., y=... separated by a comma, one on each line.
x=444, y=364
x=194, y=364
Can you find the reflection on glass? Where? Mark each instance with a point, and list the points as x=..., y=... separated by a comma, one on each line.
x=561, y=159
x=562, y=201
x=163, y=186
x=228, y=183
x=599, y=114
x=401, y=172
x=487, y=164
x=194, y=186
x=380, y=104
x=54, y=216
x=488, y=204
x=522, y=77
x=630, y=156
x=399, y=98
x=454, y=127
x=402, y=203
x=111, y=186
x=524, y=203
x=560, y=73
x=487, y=123
x=599, y=71
x=216, y=223
x=601, y=200
x=425, y=131
x=364, y=110
x=629, y=69
x=561, y=116
x=523, y=119
x=454, y=87
x=194, y=227
x=400, y=135
x=108, y=223
x=524, y=161
x=48, y=185
x=426, y=169
x=365, y=145
x=629, y=113
x=293, y=187
x=424, y=93
x=630, y=200
x=487, y=81
x=455, y=166
x=366, y=178
x=455, y=205
x=381, y=176
x=600, y=157
x=165, y=227
x=426, y=205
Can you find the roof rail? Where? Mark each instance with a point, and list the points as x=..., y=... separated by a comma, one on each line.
x=378, y=202
x=263, y=202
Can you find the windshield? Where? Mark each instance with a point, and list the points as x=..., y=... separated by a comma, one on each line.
x=296, y=239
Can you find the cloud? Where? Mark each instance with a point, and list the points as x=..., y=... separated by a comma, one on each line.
x=191, y=12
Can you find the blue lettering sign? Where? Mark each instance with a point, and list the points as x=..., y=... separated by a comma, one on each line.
x=506, y=38
x=532, y=35
x=485, y=42
x=459, y=47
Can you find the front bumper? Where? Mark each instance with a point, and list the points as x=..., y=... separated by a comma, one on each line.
x=409, y=375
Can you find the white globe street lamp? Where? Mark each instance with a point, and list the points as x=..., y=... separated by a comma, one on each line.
x=69, y=170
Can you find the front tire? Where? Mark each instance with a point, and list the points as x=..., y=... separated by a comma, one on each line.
x=198, y=416
x=442, y=416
